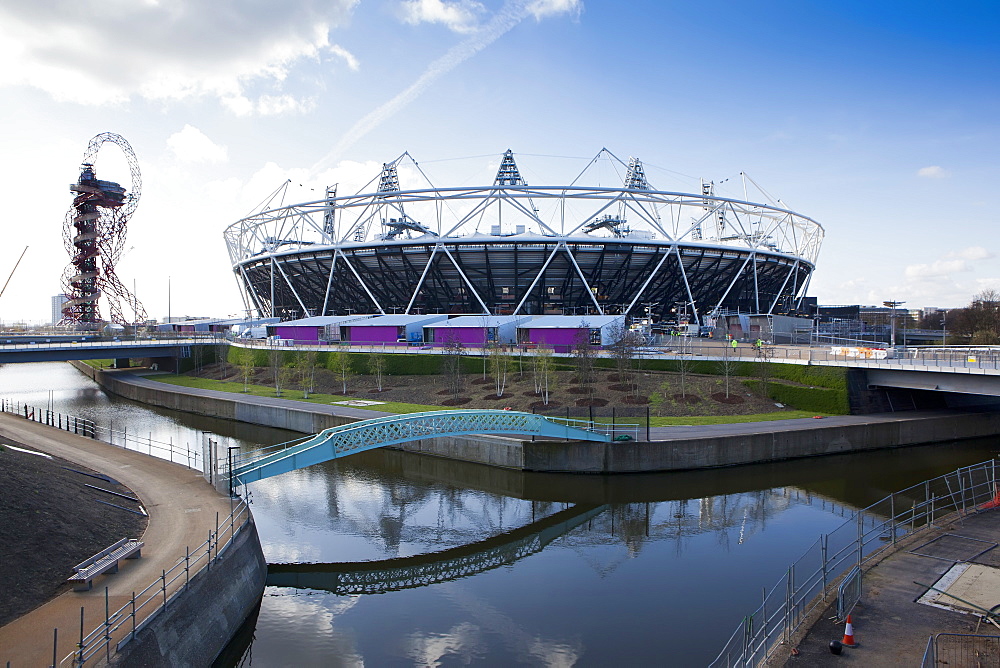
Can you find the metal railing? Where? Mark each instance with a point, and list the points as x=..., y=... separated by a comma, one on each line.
x=120, y=626
x=170, y=340
x=962, y=649
x=171, y=451
x=809, y=582
x=985, y=358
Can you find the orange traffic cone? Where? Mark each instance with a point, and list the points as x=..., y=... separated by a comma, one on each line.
x=848, y=640
x=995, y=503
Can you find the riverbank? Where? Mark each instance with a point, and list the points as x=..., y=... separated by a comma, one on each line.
x=893, y=620
x=668, y=448
x=183, y=509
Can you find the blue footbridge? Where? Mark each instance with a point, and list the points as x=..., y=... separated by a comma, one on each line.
x=365, y=435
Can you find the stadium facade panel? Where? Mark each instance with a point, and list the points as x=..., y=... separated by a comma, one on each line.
x=555, y=249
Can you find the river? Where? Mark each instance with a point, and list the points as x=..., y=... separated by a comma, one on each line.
x=392, y=559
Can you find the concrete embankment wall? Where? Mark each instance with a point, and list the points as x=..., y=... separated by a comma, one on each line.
x=198, y=623
x=616, y=457
x=697, y=453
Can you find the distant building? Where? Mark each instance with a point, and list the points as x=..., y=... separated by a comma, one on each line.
x=562, y=332
x=57, y=304
x=475, y=331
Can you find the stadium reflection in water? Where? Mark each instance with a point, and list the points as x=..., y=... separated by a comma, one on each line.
x=469, y=564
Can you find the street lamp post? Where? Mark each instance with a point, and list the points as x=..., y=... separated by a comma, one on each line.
x=892, y=319
x=944, y=328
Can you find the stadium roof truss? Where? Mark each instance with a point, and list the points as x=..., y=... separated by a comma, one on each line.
x=565, y=248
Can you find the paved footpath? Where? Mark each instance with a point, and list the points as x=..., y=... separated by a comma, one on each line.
x=182, y=509
x=890, y=628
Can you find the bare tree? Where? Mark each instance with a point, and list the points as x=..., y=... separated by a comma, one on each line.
x=222, y=356
x=727, y=366
x=544, y=371
x=584, y=353
x=305, y=364
x=499, y=364
x=625, y=349
x=376, y=366
x=452, y=363
x=276, y=358
x=339, y=362
x=684, y=363
x=762, y=358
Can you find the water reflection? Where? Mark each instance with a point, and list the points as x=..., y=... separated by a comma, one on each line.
x=661, y=574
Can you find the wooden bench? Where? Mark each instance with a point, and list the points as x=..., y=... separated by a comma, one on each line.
x=105, y=561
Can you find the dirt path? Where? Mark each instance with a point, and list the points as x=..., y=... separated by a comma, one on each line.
x=182, y=510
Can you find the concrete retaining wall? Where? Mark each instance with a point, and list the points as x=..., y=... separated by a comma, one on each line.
x=617, y=457
x=696, y=453
x=198, y=623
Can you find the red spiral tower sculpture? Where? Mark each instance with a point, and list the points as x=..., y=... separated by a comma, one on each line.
x=94, y=234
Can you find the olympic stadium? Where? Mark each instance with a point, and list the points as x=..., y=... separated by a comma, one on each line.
x=508, y=247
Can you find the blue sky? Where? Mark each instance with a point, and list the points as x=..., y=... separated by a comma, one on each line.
x=879, y=120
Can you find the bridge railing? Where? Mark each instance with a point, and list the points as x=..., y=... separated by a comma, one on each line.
x=438, y=423
x=810, y=583
x=174, y=452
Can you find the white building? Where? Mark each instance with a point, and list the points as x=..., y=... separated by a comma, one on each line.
x=57, y=304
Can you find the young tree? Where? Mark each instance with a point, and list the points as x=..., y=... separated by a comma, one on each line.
x=276, y=358
x=624, y=348
x=246, y=358
x=376, y=367
x=684, y=363
x=584, y=353
x=499, y=364
x=656, y=400
x=222, y=356
x=727, y=366
x=544, y=369
x=287, y=373
x=452, y=363
x=339, y=362
x=305, y=364
x=762, y=357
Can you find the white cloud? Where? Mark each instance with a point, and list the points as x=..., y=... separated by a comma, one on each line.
x=543, y=8
x=933, y=172
x=459, y=15
x=505, y=19
x=95, y=53
x=345, y=55
x=191, y=145
x=972, y=253
x=936, y=269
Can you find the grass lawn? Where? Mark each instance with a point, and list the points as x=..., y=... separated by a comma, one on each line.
x=399, y=407
x=296, y=395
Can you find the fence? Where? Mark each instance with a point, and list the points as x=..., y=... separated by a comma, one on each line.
x=616, y=420
x=960, y=649
x=174, y=452
x=809, y=582
x=121, y=625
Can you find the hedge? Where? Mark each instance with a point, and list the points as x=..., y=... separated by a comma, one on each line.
x=816, y=399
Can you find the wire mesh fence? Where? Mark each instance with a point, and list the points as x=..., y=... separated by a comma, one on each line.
x=961, y=649
x=811, y=580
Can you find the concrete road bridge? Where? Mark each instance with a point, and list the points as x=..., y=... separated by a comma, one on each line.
x=390, y=430
x=62, y=349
